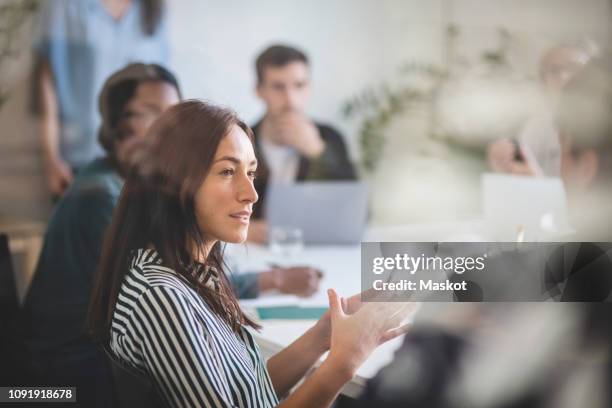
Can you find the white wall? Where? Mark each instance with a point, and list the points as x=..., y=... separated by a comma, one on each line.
x=351, y=44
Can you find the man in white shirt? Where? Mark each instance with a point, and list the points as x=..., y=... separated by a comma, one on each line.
x=290, y=146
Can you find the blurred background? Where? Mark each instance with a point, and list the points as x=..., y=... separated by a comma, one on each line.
x=420, y=90
x=463, y=72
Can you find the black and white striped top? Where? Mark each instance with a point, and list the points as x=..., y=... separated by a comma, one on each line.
x=164, y=329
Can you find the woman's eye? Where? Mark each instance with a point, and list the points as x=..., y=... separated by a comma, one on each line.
x=252, y=175
x=227, y=172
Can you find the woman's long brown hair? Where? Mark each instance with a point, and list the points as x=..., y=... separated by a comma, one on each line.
x=157, y=209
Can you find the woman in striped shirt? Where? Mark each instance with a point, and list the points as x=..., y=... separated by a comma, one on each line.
x=162, y=302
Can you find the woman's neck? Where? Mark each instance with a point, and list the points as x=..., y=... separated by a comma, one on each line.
x=201, y=253
x=116, y=8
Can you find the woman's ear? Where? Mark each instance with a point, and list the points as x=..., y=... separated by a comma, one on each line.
x=587, y=167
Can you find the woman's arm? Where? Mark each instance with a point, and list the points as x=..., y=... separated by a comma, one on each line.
x=352, y=339
x=58, y=172
x=289, y=366
x=321, y=388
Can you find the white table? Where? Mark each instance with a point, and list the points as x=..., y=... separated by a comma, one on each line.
x=341, y=266
x=342, y=271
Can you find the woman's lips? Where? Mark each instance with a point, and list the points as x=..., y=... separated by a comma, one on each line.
x=242, y=216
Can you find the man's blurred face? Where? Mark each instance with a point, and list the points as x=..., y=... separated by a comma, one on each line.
x=559, y=65
x=286, y=88
x=150, y=100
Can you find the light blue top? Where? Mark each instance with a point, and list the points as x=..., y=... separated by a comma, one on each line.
x=84, y=46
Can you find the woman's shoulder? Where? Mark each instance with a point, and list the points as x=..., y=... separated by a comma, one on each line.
x=151, y=288
x=151, y=285
x=147, y=267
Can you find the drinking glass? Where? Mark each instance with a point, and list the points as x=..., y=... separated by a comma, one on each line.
x=286, y=241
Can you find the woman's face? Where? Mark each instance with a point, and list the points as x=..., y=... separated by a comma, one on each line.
x=224, y=201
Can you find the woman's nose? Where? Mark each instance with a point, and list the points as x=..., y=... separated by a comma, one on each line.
x=247, y=191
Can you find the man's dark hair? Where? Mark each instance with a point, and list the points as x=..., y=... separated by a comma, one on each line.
x=277, y=56
x=118, y=90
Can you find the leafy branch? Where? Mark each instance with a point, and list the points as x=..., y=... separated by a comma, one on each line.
x=377, y=106
x=13, y=15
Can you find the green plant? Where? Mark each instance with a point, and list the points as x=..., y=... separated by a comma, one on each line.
x=377, y=106
x=13, y=16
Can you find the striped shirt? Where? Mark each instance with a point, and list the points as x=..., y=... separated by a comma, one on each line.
x=164, y=329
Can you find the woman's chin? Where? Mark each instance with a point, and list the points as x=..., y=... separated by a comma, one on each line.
x=236, y=238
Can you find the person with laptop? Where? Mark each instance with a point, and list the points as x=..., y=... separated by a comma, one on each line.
x=583, y=117
x=445, y=365
x=537, y=151
x=291, y=147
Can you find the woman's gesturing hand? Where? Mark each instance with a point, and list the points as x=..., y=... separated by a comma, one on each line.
x=354, y=336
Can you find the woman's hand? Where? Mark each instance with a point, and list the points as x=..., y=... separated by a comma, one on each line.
x=59, y=175
x=288, y=366
x=323, y=327
x=356, y=333
x=354, y=330
x=296, y=280
x=500, y=155
x=350, y=306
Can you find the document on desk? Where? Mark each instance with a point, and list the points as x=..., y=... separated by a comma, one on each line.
x=277, y=306
x=317, y=300
x=341, y=266
x=276, y=300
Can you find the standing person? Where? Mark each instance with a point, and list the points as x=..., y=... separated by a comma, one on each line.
x=80, y=44
x=538, y=151
x=162, y=303
x=291, y=146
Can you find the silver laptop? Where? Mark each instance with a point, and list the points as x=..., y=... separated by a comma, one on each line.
x=524, y=208
x=327, y=212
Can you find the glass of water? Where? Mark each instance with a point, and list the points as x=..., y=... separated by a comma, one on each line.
x=285, y=241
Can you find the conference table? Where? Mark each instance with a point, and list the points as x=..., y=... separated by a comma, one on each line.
x=285, y=317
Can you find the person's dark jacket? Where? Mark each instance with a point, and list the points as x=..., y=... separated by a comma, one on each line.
x=332, y=164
